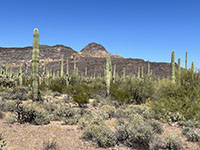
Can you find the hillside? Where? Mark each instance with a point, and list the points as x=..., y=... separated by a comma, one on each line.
x=92, y=57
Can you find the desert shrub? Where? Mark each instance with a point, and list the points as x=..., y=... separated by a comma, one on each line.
x=50, y=145
x=108, y=110
x=11, y=119
x=136, y=134
x=157, y=143
x=157, y=127
x=83, y=88
x=81, y=99
x=133, y=91
x=31, y=113
x=64, y=112
x=16, y=93
x=181, y=99
x=58, y=85
x=8, y=105
x=190, y=123
x=50, y=109
x=127, y=110
x=100, y=134
x=89, y=118
x=121, y=131
x=69, y=115
x=174, y=143
x=2, y=142
x=191, y=134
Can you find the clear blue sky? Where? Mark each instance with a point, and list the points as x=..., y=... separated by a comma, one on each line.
x=147, y=29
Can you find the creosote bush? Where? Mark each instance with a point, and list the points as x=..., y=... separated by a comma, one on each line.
x=100, y=134
x=31, y=113
x=191, y=134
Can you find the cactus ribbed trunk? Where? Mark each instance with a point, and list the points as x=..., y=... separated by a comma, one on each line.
x=124, y=74
x=61, y=67
x=148, y=69
x=67, y=69
x=179, y=68
x=186, y=61
x=138, y=73
x=192, y=67
x=20, y=76
x=173, y=67
x=85, y=71
x=114, y=74
x=35, y=65
x=142, y=72
x=108, y=74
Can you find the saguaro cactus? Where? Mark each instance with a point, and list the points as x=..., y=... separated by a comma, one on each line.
x=192, y=67
x=148, y=69
x=61, y=67
x=20, y=76
x=108, y=74
x=186, y=61
x=35, y=65
x=114, y=73
x=85, y=71
x=124, y=74
x=179, y=68
x=173, y=67
x=142, y=72
x=138, y=72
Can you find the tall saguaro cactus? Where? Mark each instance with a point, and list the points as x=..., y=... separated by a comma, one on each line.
x=186, y=61
x=114, y=74
x=20, y=76
x=148, y=69
x=173, y=67
x=61, y=67
x=179, y=68
x=108, y=74
x=35, y=65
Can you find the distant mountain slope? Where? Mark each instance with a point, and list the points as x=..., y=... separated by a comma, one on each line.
x=92, y=57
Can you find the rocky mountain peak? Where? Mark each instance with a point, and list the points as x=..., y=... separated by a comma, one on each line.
x=95, y=50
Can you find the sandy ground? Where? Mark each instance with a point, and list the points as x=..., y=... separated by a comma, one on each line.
x=31, y=137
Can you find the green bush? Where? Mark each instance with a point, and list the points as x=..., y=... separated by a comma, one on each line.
x=174, y=143
x=127, y=110
x=135, y=91
x=180, y=101
x=191, y=134
x=100, y=134
x=31, y=113
x=136, y=134
x=157, y=127
x=190, y=123
x=69, y=115
x=81, y=99
x=58, y=85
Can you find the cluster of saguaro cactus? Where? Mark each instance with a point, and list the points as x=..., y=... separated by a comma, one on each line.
x=35, y=65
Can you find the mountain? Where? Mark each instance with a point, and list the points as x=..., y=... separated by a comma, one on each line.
x=95, y=50
x=93, y=56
